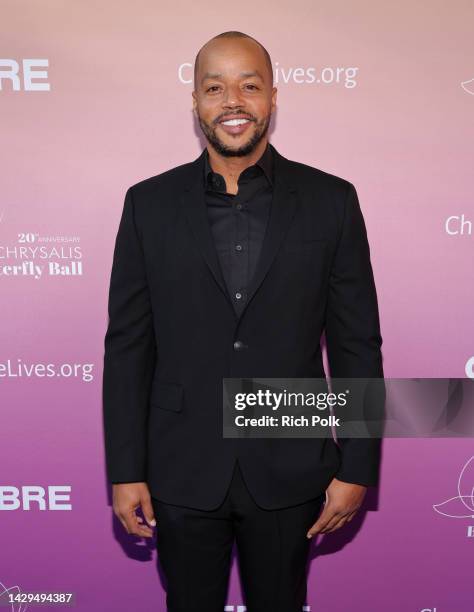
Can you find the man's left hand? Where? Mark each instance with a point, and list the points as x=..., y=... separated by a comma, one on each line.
x=343, y=499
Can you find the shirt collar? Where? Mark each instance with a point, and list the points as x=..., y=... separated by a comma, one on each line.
x=265, y=162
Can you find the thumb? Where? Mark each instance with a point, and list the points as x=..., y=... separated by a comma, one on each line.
x=148, y=513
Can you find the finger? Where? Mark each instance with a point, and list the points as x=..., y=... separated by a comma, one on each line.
x=147, y=534
x=332, y=524
x=338, y=525
x=326, y=516
x=351, y=516
x=144, y=532
x=134, y=527
x=130, y=523
x=147, y=510
x=141, y=531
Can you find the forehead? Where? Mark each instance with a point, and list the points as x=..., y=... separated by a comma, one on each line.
x=238, y=57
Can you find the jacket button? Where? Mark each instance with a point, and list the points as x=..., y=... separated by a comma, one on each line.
x=238, y=345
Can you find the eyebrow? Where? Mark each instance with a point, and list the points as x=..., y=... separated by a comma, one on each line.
x=218, y=75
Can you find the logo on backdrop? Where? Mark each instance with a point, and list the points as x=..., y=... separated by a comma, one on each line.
x=24, y=75
x=36, y=256
x=35, y=497
x=468, y=86
x=461, y=506
x=19, y=369
x=469, y=368
x=328, y=75
x=4, y=598
x=458, y=225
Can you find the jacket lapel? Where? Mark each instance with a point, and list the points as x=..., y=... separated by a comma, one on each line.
x=284, y=205
x=283, y=209
x=194, y=203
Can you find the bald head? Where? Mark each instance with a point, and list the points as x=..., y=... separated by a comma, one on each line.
x=233, y=82
x=234, y=36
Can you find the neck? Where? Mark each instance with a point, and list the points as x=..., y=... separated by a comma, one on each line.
x=232, y=167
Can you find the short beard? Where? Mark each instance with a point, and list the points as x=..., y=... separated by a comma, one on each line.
x=225, y=150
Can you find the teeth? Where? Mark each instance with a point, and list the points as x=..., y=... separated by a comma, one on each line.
x=235, y=121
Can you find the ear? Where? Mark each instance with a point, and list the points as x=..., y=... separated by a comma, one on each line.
x=274, y=98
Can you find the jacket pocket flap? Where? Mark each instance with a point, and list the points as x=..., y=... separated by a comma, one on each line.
x=167, y=395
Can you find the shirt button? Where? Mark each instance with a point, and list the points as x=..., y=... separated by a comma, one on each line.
x=238, y=247
x=238, y=295
x=239, y=206
x=238, y=345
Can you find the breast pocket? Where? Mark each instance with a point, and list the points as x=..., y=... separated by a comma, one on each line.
x=167, y=395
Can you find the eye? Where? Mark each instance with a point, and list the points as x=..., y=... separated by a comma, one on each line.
x=212, y=87
x=251, y=85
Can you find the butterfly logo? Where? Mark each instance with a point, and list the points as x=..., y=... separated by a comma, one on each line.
x=4, y=592
x=468, y=86
x=462, y=504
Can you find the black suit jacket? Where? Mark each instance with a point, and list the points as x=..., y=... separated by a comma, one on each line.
x=173, y=335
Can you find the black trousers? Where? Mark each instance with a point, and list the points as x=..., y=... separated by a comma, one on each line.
x=194, y=548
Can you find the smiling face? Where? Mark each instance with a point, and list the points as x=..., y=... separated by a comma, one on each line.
x=233, y=96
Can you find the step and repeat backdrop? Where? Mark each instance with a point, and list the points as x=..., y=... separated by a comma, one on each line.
x=94, y=97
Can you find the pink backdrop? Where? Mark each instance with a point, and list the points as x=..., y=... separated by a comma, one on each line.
x=105, y=102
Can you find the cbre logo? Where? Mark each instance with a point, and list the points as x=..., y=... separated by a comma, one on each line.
x=25, y=76
x=52, y=497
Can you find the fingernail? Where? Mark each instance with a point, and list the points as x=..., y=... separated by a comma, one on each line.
x=153, y=522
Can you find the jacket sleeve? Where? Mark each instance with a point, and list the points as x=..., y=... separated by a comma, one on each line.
x=352, y=333
x=129, y=357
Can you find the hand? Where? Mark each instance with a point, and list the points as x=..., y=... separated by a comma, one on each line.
x=127, y=497
x=343, y=499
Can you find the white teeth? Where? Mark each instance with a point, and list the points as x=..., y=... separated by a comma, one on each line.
x=235, y=121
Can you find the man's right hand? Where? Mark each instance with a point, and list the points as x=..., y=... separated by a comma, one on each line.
x=127, y=497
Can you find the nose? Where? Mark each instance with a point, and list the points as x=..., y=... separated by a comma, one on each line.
x=231, y=96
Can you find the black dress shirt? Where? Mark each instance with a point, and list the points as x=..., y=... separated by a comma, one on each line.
x=238, y=221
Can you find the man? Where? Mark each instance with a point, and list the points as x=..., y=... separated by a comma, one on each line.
x=232, y=266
